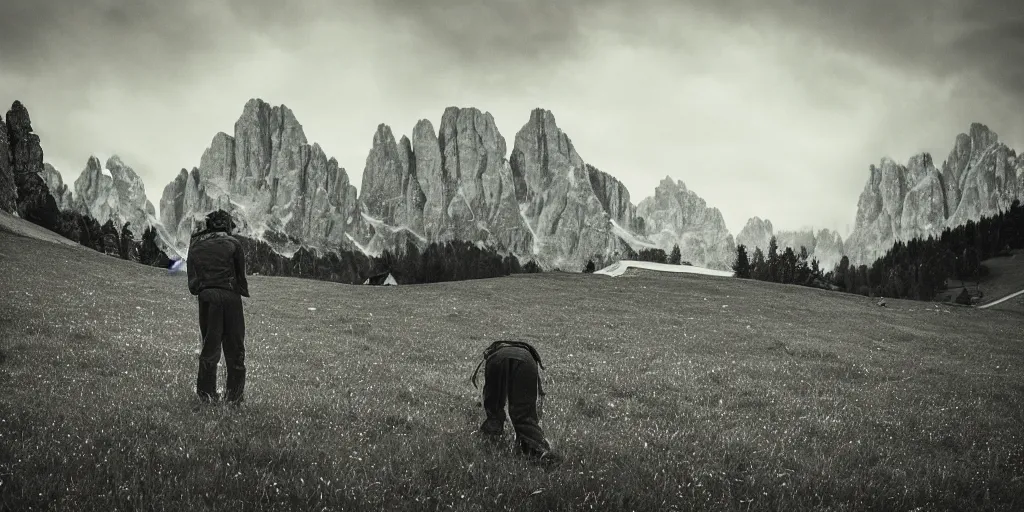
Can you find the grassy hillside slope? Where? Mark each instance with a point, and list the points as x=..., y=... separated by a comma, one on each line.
x=666, y=392
x=1005, y=276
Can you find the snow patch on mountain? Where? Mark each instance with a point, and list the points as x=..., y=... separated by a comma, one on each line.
x=628, y=237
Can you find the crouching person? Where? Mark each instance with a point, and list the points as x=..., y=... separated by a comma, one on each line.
x=216, y=274
x=511, y=376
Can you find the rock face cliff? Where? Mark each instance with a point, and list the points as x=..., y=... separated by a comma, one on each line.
x=58, y=189
x=391, y=198
x=25, y=161
x=829, y=248
x=676, y=215
x=478, y=181
x=114, y=192
x=455, y=184
x=458, y=184
x=8, y=190
x=757, y=232
x=614, y=198
x=557, y=201
x=980, y=177
x=825, y=245
x=276, y=185
x=542, y=202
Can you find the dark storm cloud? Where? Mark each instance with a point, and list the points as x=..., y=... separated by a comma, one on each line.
x=141, y=35
x=811, y=82
x=161, y=37
x=139, y=39
x=942, y=38
x=939, y=37
x=497, y=31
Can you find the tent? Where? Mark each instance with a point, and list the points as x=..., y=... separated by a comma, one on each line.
x=385, y=279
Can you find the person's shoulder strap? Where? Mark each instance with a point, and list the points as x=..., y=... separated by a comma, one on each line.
x=509, y=343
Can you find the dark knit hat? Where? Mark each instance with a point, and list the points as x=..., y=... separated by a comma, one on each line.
x=220, y=220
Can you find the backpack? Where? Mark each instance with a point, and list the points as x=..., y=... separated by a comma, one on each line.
x=494, y=347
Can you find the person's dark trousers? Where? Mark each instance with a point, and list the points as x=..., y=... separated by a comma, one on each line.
x=514, y=380
x=222, y=325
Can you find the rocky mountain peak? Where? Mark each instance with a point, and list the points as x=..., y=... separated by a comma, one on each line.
x=542, y=202
x=978, y=178
x=19, y=124
x=274, y=183
x=543, y=153
x=824, y=245
x=564, y=216
x=981, y=137
x=471, y=123
x=757, y=232
x=25, y=166
x=383, y=135
x=677, y=215
x=62, y=195
x=614, y=198
x=93, y=165
x=669, y=186
x=26, y=152
x=919, y=163
x=389, y=192
x=113, y=191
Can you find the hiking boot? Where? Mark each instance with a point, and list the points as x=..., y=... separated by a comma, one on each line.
x=490, y=439
x=551, y=459
x=208, y=398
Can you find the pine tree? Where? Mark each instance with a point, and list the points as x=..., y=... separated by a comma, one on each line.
x=773, y=260
x=675, y=256
x=841, y=274
x=111, y=239
x=787, y=266
x=803, y=270
x=815, y=270
x=758, y=266
x=127, y=243
x=150, y=253
x=742, y=265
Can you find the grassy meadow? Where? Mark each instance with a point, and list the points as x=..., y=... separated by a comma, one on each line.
x=1005, y=276
x=666, y=392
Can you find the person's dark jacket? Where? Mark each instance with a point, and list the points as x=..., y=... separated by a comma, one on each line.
x=215, y=260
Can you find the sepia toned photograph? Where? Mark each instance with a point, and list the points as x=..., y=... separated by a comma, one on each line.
x=511, y=255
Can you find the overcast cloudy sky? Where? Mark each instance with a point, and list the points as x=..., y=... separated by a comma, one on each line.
x=773, y=108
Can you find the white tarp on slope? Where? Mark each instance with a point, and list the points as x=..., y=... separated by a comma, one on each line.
x=619, y=268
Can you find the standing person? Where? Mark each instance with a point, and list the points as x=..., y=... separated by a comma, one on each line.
x=511, y=376
x=216, y=274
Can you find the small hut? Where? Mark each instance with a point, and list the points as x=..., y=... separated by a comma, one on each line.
x=385, y=279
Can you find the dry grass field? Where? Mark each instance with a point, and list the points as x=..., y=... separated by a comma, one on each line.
x=666, y=392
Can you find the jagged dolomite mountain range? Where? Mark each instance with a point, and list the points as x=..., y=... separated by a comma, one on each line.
x=980, y=177
x=542, y=201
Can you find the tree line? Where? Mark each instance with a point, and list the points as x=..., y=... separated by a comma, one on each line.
x=914, y=269
x=919, y=269
x=439, y=261
x=787, y=267
x=651, y=254
x=655, y=255
x=453, y=260
x=41, y=209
